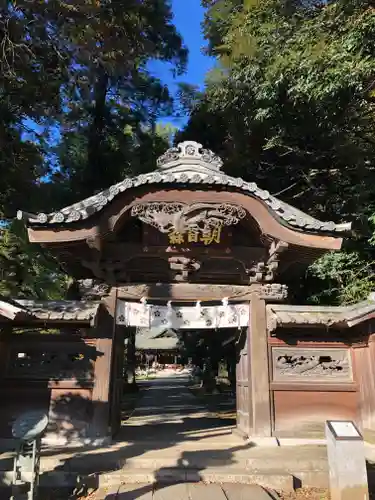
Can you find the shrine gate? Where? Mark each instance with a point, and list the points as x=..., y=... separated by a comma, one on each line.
x=187, y=246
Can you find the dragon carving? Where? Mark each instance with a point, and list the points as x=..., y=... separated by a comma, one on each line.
x=180, y=218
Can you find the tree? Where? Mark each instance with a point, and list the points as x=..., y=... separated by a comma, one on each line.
x=203, y=348
x=291, y=104
x=75, y=74
x=25, y=270
x=64, y=62
x=31, y=74
x=110, y=89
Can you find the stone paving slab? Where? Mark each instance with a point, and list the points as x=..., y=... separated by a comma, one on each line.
x=131, y=492
x=185, y=491
x=172, y=492
x=245, y=492
x=206, y=492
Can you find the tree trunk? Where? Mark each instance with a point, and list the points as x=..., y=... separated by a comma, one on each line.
x=96, y=138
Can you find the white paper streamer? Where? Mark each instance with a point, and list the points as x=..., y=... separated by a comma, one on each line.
x=193, y=317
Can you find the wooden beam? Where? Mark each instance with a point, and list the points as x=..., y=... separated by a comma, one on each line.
x=314, y=387
x=191, y=292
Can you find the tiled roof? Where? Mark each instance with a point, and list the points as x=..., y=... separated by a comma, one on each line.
x=186, y=164
x=282, y=315
x=59, y=310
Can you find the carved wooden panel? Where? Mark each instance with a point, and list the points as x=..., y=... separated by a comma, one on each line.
x=192, y=292
x=181, y=219
x=57, y=363
x=306, y=364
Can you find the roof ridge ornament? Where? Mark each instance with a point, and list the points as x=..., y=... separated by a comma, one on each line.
x=190, y=150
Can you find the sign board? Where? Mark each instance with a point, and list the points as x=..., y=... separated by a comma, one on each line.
x=206, y=237
x=343, y=429
x=192, y=238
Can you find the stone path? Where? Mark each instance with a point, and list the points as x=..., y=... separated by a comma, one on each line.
x=166, y=399
x=169, y=414
x=188, y=491
x=177, y=431
x=173, y=438
x=170, y=427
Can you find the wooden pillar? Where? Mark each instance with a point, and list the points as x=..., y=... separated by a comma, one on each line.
x=252, y=375
x=243, y=386
x=105, y=333
x=260, y=383
x=131, y=358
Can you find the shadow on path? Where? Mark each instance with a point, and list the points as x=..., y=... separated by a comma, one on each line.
x=168, y=417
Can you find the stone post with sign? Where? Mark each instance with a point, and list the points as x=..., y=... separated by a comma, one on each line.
x=346, y=461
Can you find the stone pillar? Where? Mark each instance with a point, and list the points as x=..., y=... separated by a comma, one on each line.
x=346, y=461
x=252, y=375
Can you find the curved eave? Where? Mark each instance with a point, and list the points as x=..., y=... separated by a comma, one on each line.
x=182, y=175
x=268, y=221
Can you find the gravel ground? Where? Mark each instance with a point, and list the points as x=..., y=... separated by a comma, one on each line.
x=313, y=494
x=306, y=494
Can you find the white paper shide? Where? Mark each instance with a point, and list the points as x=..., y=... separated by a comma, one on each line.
x=188, y=317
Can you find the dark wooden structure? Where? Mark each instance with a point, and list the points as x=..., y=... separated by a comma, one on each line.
x=322, y=361
x=161, y=346
x=54, y=357
x=188, y=232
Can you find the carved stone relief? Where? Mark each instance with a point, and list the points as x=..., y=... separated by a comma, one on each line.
x=312, y=364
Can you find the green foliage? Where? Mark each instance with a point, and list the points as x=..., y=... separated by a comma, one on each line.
x=294, y=96
x=203, y=347
x=166, y=131
x=26, y=270
x=81, y=68
x=291, y=107
x=218, y=20
x=344, y=278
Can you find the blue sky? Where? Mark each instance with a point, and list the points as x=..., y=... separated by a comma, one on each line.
x=188, y=17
